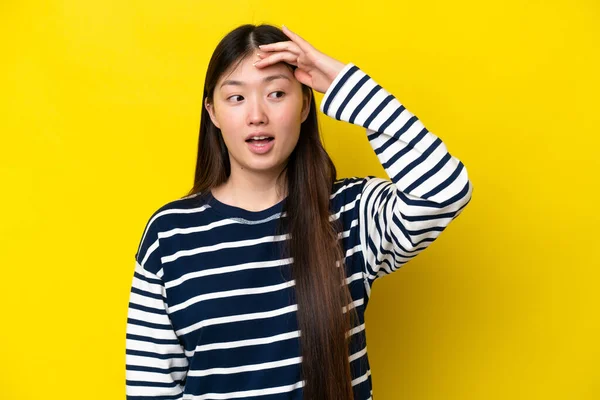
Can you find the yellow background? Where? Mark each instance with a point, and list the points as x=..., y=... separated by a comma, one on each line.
x=100, y=112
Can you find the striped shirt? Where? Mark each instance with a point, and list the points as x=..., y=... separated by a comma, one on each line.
x=212, y=313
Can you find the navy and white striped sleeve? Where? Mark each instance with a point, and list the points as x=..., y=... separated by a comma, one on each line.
x=156, y=366
x=428, y=187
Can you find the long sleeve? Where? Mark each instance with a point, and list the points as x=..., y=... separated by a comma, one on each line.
x=428, y=187
x=156, y=365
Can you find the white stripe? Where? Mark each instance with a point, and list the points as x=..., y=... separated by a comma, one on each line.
x=354, y=304
x=349, y=252
x=154, y=391
x=390, y=108
x=228, y=269
x=140, y=330
x=454, y=188
x=148, y=317
x=252, y=316
x=153, y=347
x=249, y=342
x=370, y=107
x=225, y=245
x=354, y=277
x=344, y=208
x=357, y=99
x=149, y=302
x=353, y=250
x=230, y=293
x=344, y=92
x=142, y=361
x=237, y=318
x=355, y=330
x=246, y=393
x=440, y=176
x=149, y=252
x=259, y=341
x=422, y=167
x=361, y=379
x=167, y=212
x=334, y=84
x=345, y=187
x=146, y=287
x=357, y=355
x=195, y=229
x=155, y=377
x=245, y=368
x=346, y=234
x=368, y=286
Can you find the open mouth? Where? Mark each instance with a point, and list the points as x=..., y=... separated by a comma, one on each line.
x=260, y=144
x=260, y=140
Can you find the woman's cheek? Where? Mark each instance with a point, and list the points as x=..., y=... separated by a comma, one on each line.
x=230, y=121
x=289, y=117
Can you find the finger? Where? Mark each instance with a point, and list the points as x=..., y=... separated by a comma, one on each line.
x=280, y=46
x=303, y=77
x=303, y=44
x=284, y=56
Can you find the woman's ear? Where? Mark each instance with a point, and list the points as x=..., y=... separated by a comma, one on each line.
x=306, y=99
x=211, y=111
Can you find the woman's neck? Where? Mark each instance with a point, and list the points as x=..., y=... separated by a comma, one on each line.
x=251, y=191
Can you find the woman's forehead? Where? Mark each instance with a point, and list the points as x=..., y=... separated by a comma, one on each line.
x=245, y=73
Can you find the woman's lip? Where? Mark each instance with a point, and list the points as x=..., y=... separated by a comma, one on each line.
x=260, y=148
x=258, y=134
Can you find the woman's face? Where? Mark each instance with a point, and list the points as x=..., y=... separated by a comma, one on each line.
x=259, y=112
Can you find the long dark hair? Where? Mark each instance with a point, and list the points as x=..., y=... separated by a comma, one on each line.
x=318, y=267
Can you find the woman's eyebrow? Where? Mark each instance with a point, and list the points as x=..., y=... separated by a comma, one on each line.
x=266, y=79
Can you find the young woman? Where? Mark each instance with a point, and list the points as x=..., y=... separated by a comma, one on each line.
x=255, y=285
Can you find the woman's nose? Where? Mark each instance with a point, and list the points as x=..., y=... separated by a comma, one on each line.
x=257, y=114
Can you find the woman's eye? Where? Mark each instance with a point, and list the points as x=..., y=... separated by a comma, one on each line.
x=233, y=98
x=278, y=94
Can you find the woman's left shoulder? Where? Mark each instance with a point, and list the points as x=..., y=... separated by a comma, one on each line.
x=346, y=192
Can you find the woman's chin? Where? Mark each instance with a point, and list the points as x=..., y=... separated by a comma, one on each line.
x=264, y=166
